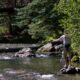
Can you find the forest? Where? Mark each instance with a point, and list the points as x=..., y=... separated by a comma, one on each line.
x=39, y=21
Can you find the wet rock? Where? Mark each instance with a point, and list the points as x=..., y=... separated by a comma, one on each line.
x=77, y=69
x=50, y=47
x=47, y=47
x=45, y=77
x=25, y=52
x=2, y=77
x=71, y=70
x=5, y=57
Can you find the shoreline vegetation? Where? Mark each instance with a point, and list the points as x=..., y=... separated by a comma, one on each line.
x=40, y=21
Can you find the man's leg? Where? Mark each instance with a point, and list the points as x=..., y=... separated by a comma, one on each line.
x=69, y=60
x=66, y=59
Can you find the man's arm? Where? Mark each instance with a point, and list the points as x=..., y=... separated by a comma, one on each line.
x=56, y=42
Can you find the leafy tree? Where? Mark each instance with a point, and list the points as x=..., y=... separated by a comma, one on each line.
x=3, y=23
x=41, y=19
x=70, y=20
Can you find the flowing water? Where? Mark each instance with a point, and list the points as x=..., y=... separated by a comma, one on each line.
x=41, y=68
x=30, y=68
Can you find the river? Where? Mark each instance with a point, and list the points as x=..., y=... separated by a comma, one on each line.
x=33, y=68
x=41, y=68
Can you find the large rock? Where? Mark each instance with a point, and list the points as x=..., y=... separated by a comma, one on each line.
x=71, y=70
x=53, y=47
x=25, y=52
x=46, y=48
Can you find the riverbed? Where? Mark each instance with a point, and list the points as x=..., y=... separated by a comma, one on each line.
x=47, y=68
x=34, y=68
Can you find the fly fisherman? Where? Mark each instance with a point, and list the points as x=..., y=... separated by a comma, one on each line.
x=66, y=52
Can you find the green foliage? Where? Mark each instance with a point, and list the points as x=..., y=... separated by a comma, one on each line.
x=3, y=23
x=19, y=19
x=41, y=20
x=3, y=29
x=70, y=19
x=46, y=19
x=75, y=59
x=48, y=39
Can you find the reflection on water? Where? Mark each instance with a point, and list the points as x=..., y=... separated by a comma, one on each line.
x=33, y=69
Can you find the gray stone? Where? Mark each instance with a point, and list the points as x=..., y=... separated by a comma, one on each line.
x=71, y=70
x=46, y=48
x=25, y=52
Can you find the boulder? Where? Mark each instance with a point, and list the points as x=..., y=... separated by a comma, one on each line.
x=50, y=49
x=25, y=52
x=46, y=48
x=71, y=70
x=77, y=69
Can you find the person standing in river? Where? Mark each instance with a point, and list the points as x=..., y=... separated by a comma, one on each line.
x=66, y=49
